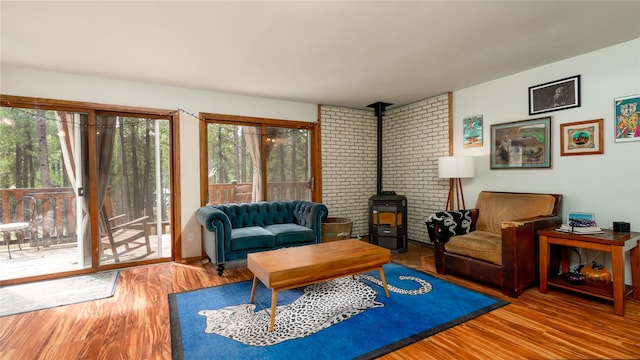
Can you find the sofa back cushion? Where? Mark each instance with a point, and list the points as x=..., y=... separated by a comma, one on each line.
x=259, y=213
x=496, y=207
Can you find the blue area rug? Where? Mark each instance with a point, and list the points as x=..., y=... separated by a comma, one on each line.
x=218, y=322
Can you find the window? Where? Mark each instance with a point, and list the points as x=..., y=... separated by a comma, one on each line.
x=249, y=159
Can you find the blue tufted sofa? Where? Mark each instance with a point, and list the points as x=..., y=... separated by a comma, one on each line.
x=232, y=231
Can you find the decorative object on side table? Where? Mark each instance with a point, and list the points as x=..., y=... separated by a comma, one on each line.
x=626, y=120
x=581, y=138
x=555, y=95
x=575, y=277
x=596, y=274
x=621, y=226
x=580, y=223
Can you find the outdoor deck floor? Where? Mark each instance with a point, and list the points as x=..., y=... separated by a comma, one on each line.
x=64, y=257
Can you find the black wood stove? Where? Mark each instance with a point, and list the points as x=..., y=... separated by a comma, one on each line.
x=387, y=211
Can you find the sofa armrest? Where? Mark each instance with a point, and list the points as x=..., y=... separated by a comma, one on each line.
x=310, y=214
x=517, y=232
x=520, y=249
x=218, y=223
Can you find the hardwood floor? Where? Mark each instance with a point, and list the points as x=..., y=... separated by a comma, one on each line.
x=134, y=323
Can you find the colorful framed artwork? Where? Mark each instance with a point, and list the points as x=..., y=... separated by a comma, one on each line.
x=472, y=131
x=627, y=112
x=521, y=144
x=555, y=95
x=581, y=138
x=581, y=219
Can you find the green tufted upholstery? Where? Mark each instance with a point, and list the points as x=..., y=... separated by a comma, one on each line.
x=232, y=231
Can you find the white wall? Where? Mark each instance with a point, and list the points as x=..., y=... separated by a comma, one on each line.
x=52, y=85
x=608, y=184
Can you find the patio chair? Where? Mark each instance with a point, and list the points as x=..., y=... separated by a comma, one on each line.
x=126, y=236
x=23, y=225
x=242, y=193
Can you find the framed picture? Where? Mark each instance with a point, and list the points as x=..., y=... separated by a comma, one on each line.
x=581, y=138
x=555, y=95
x=626, y=120
x=581, y=219
x=472, y=131
x=521, y=144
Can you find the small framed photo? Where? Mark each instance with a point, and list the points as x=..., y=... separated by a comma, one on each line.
x=627, y=112
x=581, y=219
x=555, y=95
x=581, y=138
x=472, y=131
x=521, y=144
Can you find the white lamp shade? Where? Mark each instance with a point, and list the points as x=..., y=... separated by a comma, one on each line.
x=453, y=167
x=447, y=167
x=466, y=167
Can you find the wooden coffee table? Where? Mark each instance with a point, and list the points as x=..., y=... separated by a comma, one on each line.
x=293, y=267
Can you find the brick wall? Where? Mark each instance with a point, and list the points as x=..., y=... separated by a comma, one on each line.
x=348, y=163
x=413, y=138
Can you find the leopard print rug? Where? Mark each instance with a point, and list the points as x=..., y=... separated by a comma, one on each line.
x=321, y=306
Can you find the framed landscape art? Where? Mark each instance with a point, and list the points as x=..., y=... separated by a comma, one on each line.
x=521, y=144
x=581, y=138
x=555, y=95
x=627, y=124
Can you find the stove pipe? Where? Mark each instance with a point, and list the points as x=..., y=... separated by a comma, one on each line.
x=379, y=108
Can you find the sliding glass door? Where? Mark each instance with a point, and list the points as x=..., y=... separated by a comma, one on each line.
x=82, y=191
x=133, y=188
x=42, y=153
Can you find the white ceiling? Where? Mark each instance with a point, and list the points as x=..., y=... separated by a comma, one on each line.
x=344, y=53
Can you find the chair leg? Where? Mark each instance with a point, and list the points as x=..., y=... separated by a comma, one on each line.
x=148, y=242
x=18, y=239
x=7, y=239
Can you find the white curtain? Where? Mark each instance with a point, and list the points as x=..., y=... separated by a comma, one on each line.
x=105, y=127
x=253, y=139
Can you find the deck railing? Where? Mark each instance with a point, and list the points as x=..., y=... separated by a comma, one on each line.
x=55, y=212
x=56, y=207
x=224, y=193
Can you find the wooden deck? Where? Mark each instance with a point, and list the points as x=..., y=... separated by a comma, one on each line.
x=64, y=257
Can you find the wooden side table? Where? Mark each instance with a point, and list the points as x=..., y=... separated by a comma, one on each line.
x=615, y=243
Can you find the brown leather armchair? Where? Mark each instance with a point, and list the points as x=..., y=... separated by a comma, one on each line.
x=496, y=243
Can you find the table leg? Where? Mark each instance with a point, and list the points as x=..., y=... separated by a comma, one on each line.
x=384, y=281
x=544, y=263
x=274, y=302
x=617, y=267
x=253, y=288
x=635, y=271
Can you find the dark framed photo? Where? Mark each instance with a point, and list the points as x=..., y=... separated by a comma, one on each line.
x=521, y=144
x=581, y=138
x=555, y=95
x=627, y=117
x=472, y=131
